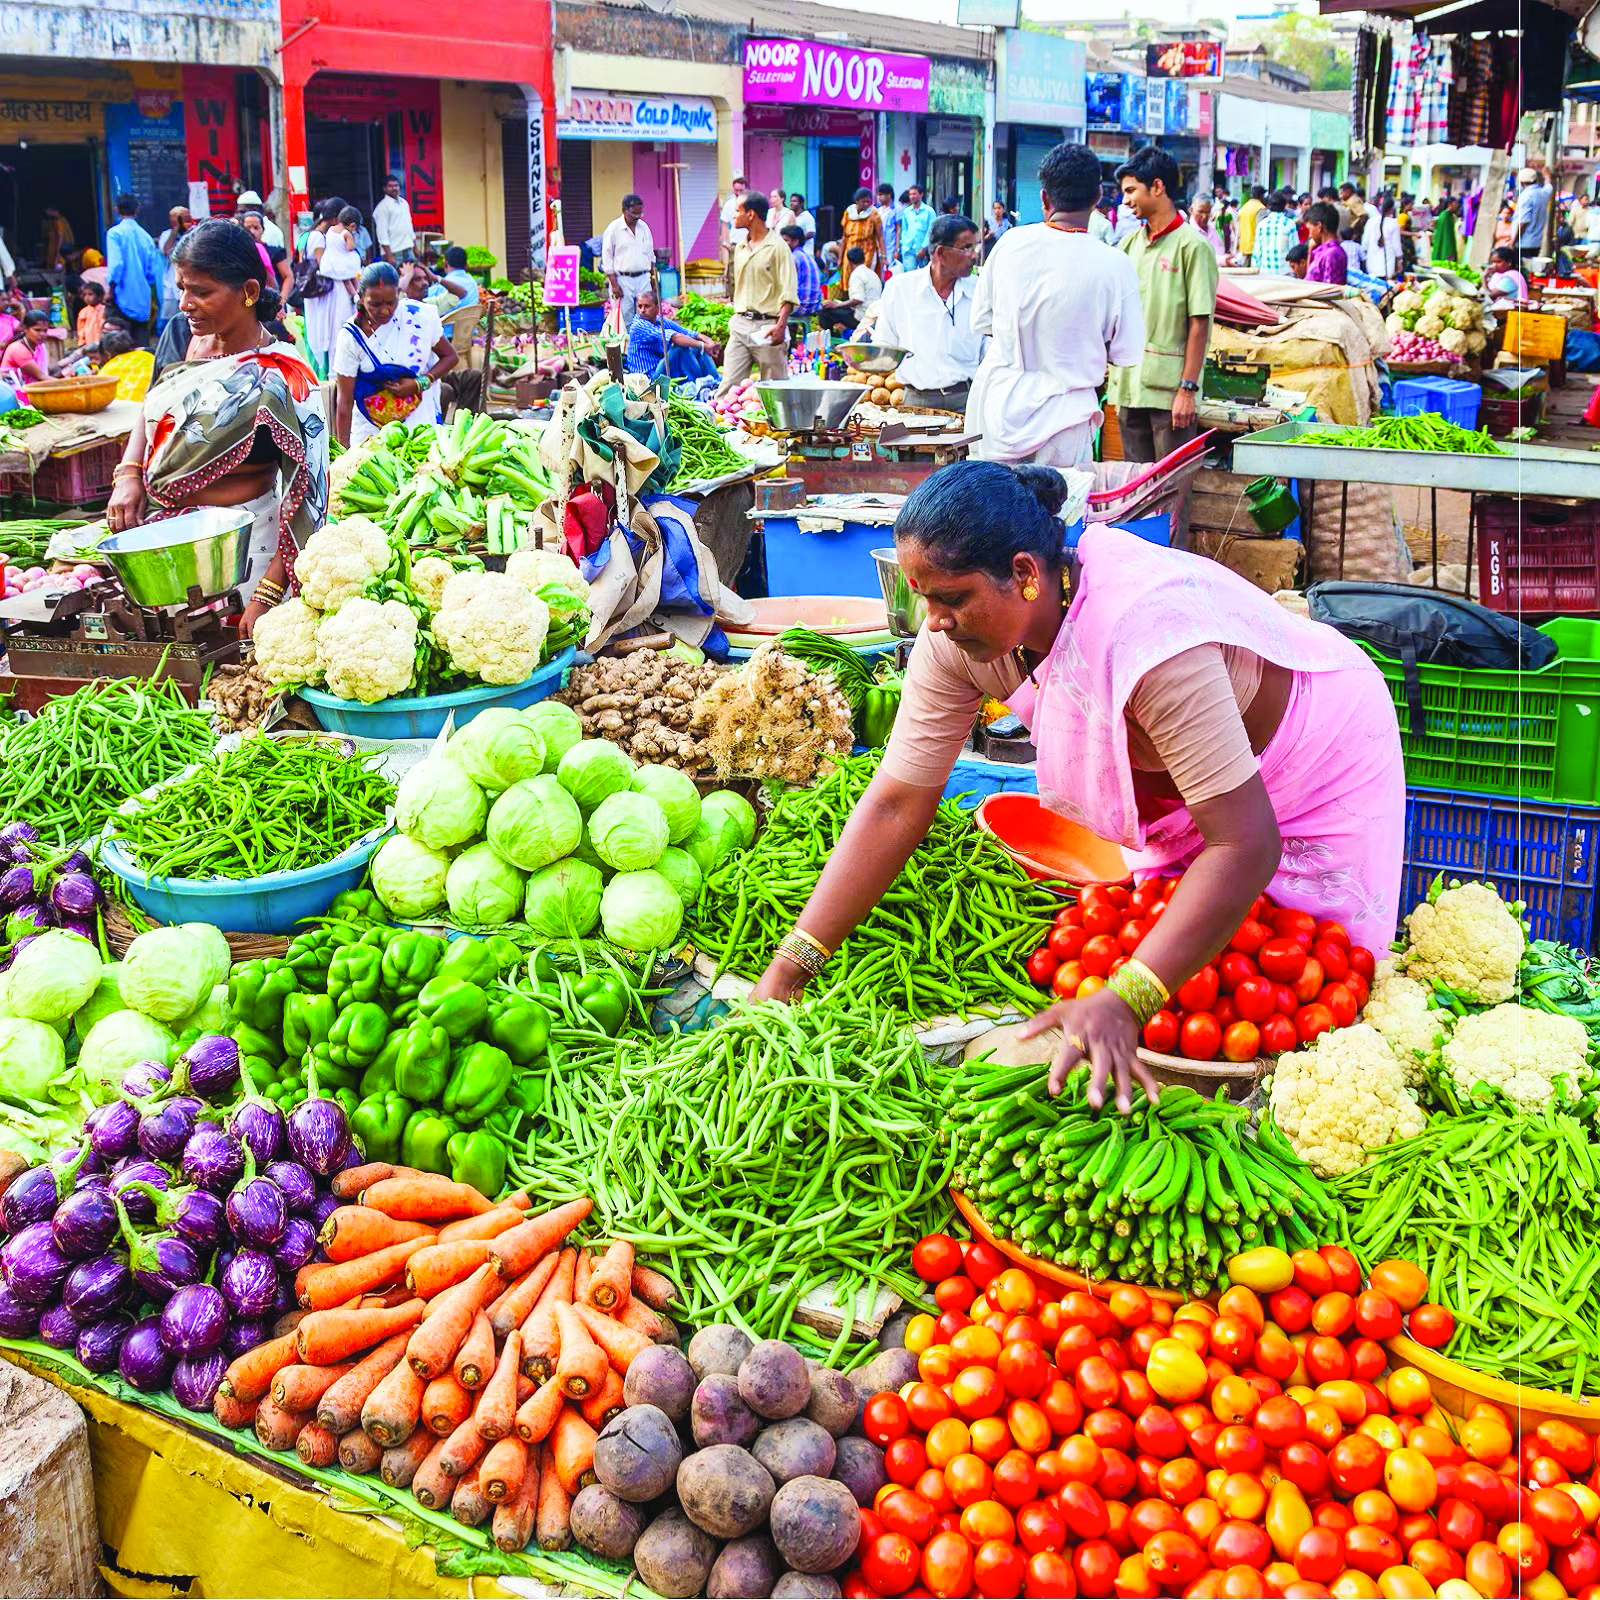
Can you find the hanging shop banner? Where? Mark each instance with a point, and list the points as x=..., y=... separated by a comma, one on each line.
x=806, y=122
x=681, y=120
x=1183, y=58
x=561, y=276
x=408, y=108
x=790, y=72
x=211, y=134
x=1106, y=93
x=1039, y=79
x=23, y=118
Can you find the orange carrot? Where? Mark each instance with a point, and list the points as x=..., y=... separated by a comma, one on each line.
x=463, y=1448
x=536, y=1416
x=469, y=1505
x=514, y=1516
x=339, y=1410
x=395, y=1295
x=553, y=1525
x=502, y=1468
x=299, y=1388
x=580, y=1284
x=327, y=1336
x=655, y=1327
x=316, y=1446
x=434, y=1345
x=400, y=1461
x=353, y=1231
x=514, y=1252
x=445, y=1405
x=509, y=1309
x=353, y=1180
x=525, y=1387
x=250, y=1375
x=233, y=1413
x=656, y=1289
x=390, y=1412
x=437, y=1267
x=496, y=1410
x=541, y=1337
x=276, y=1428
x=612, y=1281
x=620, y=1343
x=424, y=1195
x=430, y=1483
x=331, y=1285
x=359, y=1452
x=475, y=1359
x=601, y=1406
x=489, y=1226
x=571, y=1448
x=581, y=1368
x=304, y=1276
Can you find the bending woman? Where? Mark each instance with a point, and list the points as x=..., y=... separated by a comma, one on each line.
x=237, y=422
x=1176, y=710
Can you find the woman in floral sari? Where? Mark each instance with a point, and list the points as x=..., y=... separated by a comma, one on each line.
x=238, y=422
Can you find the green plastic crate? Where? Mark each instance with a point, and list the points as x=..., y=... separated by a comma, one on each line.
x=1532, y=735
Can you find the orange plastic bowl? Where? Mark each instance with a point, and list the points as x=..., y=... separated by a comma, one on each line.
x=1047, y=846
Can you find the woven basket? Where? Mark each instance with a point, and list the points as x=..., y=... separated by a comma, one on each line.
x=120, y=933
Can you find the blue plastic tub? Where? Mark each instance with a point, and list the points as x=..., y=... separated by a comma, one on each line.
x=1153, y=530
x=586, y=319
x=423, y=716
x=1450, y=398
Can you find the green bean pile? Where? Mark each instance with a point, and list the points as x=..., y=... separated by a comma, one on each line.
x=1502, y=1212
x=24, y=543
x=69, y=769
x=269, y=805
x=756, y=1160
x=949, y=938
x=1163, y=1196
x=1427, y=432
x=706, y=453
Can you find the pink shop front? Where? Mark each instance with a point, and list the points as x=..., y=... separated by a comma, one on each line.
x=823, y=152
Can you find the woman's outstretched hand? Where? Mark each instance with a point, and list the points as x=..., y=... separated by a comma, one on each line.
x=1102, y=1031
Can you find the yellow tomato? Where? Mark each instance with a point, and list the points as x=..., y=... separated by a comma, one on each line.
x=1387, y=1432
x=991, y=1438
x=920, y=1333
x=976, y=1344
x=1242, y=1498
x=1409, y=1477
x=1264, y=1269
x=1547, y=1586
x=1408, y=1391
x=1288, y=1519
x=1405, y=1583
x=1175, y=1371
x=1588, y=1500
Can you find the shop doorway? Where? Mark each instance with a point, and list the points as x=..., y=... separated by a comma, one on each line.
x=346, y=159
x=34, y=176
x=839, y=171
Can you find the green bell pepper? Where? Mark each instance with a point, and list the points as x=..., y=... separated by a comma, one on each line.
x=379, y=1076
x=519, y=1027
x=347, y=1098
x=875, y=720
x=266, y=1044
x=359, y=906
x=478, y=1158
x=310, y=953
x=470, y=960
x=332, y=1074
x=380, y=939
x=358, y=1035
x=379, y=1122
x=409, y=961
x=507, y=952
x=605, y=997
x=459, y=1007
x=542, y=967
x=426, y=1140
x=422, y=1067
x=257, y=991
x=528, y=1092
x=355, y=973
x=307, y=1022
x=478, y=1082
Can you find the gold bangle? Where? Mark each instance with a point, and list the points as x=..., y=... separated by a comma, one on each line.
x=125, y=469
x=1140, y=969
x=812, y=940
x=803, y=952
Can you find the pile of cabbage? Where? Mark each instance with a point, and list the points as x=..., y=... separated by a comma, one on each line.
x=1453, y=322
x=518, y=818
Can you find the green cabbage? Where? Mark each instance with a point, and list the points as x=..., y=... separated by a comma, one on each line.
x=682, y=871
x=640, y=911
x=115, y=1042
x=212, y=1017
x=497, y=749
x=166, y=974
x=628, y=831
x=702, y=846
x=213, y=942
x=534, y=823
x=407, y=876
x=593, y=769
x=563, y=900
x=437, y=804
x=32, y=1057
x=676, y=794
x=733, y=815
x=483, y=890
x=107, y=997
x=584, y=851
x=558, y=725
x=52, y=977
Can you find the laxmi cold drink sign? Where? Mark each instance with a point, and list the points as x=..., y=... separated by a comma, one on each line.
x=681, y=119
x=792, y=72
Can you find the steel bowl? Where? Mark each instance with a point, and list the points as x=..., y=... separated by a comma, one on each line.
x=907, y=609
x=877, y=359
x=161, y=562
x=798, y=406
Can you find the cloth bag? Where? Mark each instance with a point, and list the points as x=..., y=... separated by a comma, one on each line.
x=372, y=399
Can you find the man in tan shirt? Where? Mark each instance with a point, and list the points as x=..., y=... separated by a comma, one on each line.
x=765, y=291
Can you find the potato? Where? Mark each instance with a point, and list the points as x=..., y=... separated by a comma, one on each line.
x=805, y=1586
x=834, y=1402
x=725, y=1490
x=674, y=1557
x=796, y=1448
x=881, y=396
x=774, y=1381
x=888, y=1372
x=747, y=1569
x=637, y=1454
x=858, y=1465
x=815, y=1524
x=718, y=1415
x=718, y=1348
x=605, y=1525
x=660, y=1376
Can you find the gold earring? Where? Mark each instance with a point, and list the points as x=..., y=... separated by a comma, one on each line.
x=1030, y=591
x=250, y=302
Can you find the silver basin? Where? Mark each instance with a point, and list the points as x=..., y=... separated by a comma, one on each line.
x=798, y=406
x=159, y=563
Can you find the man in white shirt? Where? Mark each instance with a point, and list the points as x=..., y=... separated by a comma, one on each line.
x=628, y=255
x=392, y=225
x=864, y=288
x=928, y=312
x=731, y=233
x=1036, y=395
x=803, y=219
x=271, y=233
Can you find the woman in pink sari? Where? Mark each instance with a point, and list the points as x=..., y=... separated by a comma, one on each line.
x=1176, y=710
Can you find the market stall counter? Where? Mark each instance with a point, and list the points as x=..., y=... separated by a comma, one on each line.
x=66, y=459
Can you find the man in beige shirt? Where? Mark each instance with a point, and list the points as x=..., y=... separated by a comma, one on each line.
x=765, y=291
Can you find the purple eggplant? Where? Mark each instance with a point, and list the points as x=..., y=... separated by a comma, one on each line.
x=258, y=1213
x=245, y=1333
x=200, y=1217
x=85, y=1223
x=19, y=946
x=78, y=861
x=18, y=1319
x=259, y=1124
x=26, y=921
x=196, y=1379
x=34, y=1265
x=128, y=1183
x=299, y=1187
x=75, y=894
x=212, y=1159
x=319, y=1133
x=146, y=1079
x=144, y=1361
x=100, y=1343
x=18, y=833
x=250, y=1283
x=95, y=1289
x=86, y=928
x=194, y=1320
x=165, y=1128
x=33, y=1197
x=298, y=1245
x=113, y=1129
x=163, y=1263
x=284, y=1300
x=17, y=887
x=324, y=1208
x=209, y=1067
x=59, y=1328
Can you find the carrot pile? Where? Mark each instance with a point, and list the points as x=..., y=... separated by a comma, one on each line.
x=454, y=1346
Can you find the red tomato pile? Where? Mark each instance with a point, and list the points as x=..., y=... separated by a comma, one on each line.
x=1284, y=978
x=1121, y=1447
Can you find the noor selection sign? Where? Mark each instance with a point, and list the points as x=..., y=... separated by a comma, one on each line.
x=591, y=115
x=791, y=72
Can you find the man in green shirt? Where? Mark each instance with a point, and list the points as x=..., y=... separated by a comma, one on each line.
x=1177, y=272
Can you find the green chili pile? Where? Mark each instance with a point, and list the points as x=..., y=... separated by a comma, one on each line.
x=1502, y=1212
x=949, y=938
x=269, y=805
x=706, y=453
x=784, y=1149
x=1428, y=432
x=69, y=769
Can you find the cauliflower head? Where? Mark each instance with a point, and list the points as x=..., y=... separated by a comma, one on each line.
x=286, y=644
x=428, y=578
x=1398, y=1008
x=1395, y=323
x=1408, y=300
x=491, y=626
x=340, y=559
x=1476, y=341
x=1341, y=1099
x=344, y=467
x=1430, y=326
x=368, y=650
x=1468, y=939
x=1519, y=1051
x=1454, y=340
x=533, y=569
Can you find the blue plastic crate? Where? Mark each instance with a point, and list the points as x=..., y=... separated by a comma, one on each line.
x=817, y=560
x=1450, y=398
x=973, y=780
x=1545, y=855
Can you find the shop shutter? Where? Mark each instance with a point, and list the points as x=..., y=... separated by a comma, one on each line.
x=697, y=197
x=514, y=167
x=577, y=198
